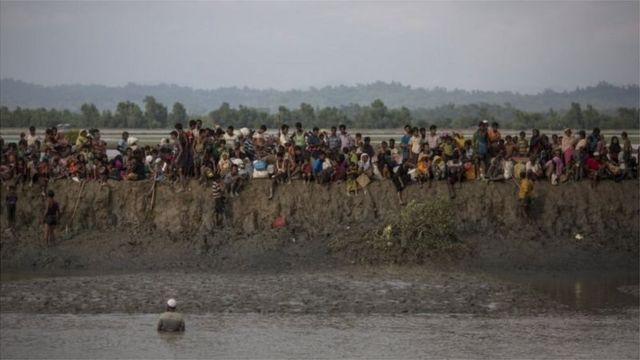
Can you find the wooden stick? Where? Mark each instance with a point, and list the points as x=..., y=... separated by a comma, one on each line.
x=153, y=192
x=75, y=208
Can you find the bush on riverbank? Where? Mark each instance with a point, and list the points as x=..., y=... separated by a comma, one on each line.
x=419, y=231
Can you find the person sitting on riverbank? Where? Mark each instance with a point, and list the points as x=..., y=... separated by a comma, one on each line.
x=233, y=181
x=30, y=161
x=554, y=168
x=533, y=168
x=423, y=167
x=123, y=144
x=282, y=172
x=595, y=166
x=171, y=320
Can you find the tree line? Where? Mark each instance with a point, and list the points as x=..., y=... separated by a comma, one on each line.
x=395, y=95
x=153, y=114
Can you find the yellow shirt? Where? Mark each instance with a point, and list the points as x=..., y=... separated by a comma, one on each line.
x=459, y=141
x=517, y=169
x=80, y=141
x=415, y=144
x=447, y=149
x=526, y=187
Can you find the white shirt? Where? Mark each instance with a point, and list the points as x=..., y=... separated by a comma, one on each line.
x=284, y=138
x=533, y=168
x=230, y=140
x=31, y=139
x=508, y=169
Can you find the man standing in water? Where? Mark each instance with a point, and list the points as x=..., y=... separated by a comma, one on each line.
x=170, y=320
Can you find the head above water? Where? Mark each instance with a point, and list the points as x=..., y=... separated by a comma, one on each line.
x=171, y=304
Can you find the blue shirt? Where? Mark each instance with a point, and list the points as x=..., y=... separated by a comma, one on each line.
x=316, y=165
x=404, y=140
x=122, y=146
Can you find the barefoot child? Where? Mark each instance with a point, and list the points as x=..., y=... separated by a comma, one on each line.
x=217, y=191
x=51, y=215
x=306, y=170
x=11, y=200
x=352, y=175
x=524, y=193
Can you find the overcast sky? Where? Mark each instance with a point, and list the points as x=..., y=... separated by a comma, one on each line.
x=520, y=46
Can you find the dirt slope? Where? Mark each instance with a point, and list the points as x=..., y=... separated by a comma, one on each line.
x=115, y=228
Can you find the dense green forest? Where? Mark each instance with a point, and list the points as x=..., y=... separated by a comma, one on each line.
x=154, y=114
x=15, y=93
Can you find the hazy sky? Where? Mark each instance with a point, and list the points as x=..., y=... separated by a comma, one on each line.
x=522, y=46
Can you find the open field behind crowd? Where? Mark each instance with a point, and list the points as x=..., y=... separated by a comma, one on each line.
x=153, y=136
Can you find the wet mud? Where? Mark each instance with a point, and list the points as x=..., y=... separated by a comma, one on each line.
x=349, y=290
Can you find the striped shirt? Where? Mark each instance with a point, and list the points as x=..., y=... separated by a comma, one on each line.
x=216, y=189
x=248, y=148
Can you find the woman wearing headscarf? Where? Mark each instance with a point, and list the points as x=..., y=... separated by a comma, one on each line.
x=364, y=165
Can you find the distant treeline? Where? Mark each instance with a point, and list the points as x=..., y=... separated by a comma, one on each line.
x=395, y=95
x=376, y=115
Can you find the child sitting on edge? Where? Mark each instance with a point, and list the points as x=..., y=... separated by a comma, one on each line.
x=306, y=170
x=207, y=170
x=224, y=165
x=423, y=168
x=352, y=175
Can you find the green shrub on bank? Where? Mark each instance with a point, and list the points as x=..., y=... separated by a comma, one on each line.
x=419, y=226
x=419, y=231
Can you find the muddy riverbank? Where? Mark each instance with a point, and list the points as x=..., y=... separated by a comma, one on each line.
x=378, y=290
x=352, y=290
x=115, y=227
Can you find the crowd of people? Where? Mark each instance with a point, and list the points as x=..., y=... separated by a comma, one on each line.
x=227, y=159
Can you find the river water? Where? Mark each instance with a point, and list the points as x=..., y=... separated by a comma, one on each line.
x=586, y=315
x=582, y=291
x=120, y=336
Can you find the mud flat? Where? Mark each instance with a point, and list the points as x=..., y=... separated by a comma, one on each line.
x=355, y=290
x=381, y=312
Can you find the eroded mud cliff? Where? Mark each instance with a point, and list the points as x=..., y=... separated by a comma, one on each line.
x=115, y=226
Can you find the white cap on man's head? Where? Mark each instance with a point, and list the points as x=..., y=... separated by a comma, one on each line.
x=172, y=303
